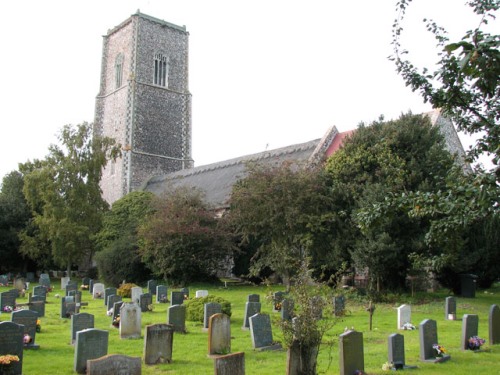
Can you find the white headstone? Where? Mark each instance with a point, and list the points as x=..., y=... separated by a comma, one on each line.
x=404, y=315
x=130, y=321
x=136, y=291
x=64, y=282
x=98, y=290
x=201, y=293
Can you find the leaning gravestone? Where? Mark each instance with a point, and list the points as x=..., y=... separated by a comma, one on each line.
x=287, y=309
x=98, y=291
x=210, y=309
x=176, y=298
x=450, y=308
x=130, y=321
x=351, y=353
x=135, y=292
x=161, y=294
x=253, y=298
x=177, y=318
x=28, y=319
x=37, y=303
x=339, y=305
x=261, y=332
x=90, y=343
x=251, y=308
x=40, y=290
x=404, y=315
x=114, y=364
x=152, y=287
x=112, y=299
x=7, y=299
x=158, y=342
x=230, y=364
x=108, y=292
x=428, y=337
x=11, y=342
x=470, y=323
x=146, y=302
x=494, y=325
x=219, y=334
x=79, y=322
x=201, y=293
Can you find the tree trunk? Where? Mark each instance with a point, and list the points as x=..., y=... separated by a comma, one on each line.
x=301, y=360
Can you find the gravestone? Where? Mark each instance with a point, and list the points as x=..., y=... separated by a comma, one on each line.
x=98, y=291
x=230, y=364
x=91, y=286
x=428, y=337
x=116, y=311
x=404, y=315
x=261, y=332
x=145, y=301
x=4, y=280
x=37, y=303
x=135, y=292
x=176, y=298
x=494, y=325
x=44, y=280
x=11, y=342
x=152, y=287
x=79, y=322
x=468, y=285
x=69, y=307
x=114, y=364
x=201, y=293
x=396, y=350
x=161, y=294
x=219, y=334
x=185, y=292
x=40, y=290
x=253, y=298
x=158, y=343
x=90, y=343
x=28, y=319
x=300, y=360
x=470, y=324
x=86, y=281
x=77, y=294
x=108, y=292
x=278, y=298
x=130, y=321
x=210, y=309
x=251, y=308
x=30, y=277
x=20, y=285
x=339, y=305
x=287, y=309
x=7, y=299
x=112, y=299
x=15, y=292
x=351, y=353
x=64, y=282
x=177, y=318
x=450, y=308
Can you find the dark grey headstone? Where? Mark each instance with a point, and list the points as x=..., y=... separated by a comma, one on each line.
x=112, y=299
x=428, y=337
x=396, y=351
x=470, y=325
x=86, y=281
x=230, y=364
x=114, y=364
x=108, y=292
x=44, y=280
x=278, y=298
x=161, y=294
x=4, y=280
x=71, y=286
x=177, y=318
x=158, y=342
x=37, y=303
x=30, y=277
x=450, y=308
x=11, y=342
x=68, y=307
x=339, y=305
x=210, y=309
x=185, y=292
x=494, y=325
x=152, y=287
x=28, y=319
x=468, y=285
x=79, y=322
x=351, y=352
x=251, y=308
x=77, y=294
x=287, y=309
x=176, y=298
x=145, y=301
x=253, y=298
x=7, y=299
x=91, y=286
x=261, y=331
x=40, y=290
x=116, y=311
x=89, y=344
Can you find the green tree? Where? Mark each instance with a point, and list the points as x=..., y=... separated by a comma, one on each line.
x=64, y=195
x=183, y=240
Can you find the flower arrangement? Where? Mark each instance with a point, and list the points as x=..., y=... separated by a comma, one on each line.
x=38, y=325
x=6, y=362
x=8, y=309
x=475, y=343
x=277, y=306
x=116, y=322
x=440, y=350
x=85, y=287
x=359, y=372
x=98, y=295
x=163, y=298
x=27, y=339
x=186, y=297
x=151, y=307
x=408, y=326
x=387, y=366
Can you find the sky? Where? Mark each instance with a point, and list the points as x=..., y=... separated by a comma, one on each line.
x=263, y=74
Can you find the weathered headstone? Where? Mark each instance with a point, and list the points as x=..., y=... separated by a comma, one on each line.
x=114, y=364
x=253, y=298
x=339, y=305
x=79, y=322
x=64, y=282
x=135, y=292
x=210, y=309
x=130, y=321
x=68, y=307
x=201, y=293
x=20, y=285
x=300, y=360
x=396, y=356
x=44, y=280
x=91, y=286
x=251, y=308
x=4, y=280
x=116, y=313
x=185, y=292
x=494, y=325
x=7, y=299
x=11, y=342
x=287, y=309
x=470, y=325
x=351, y=353
x=450, y=308
x=161, y=294
x=158, y=342
x=219, y=334
x=176, y=298
x=177, y=318
x=86, y=281
x=37, y=303
x=40, y=290
x=404, y=315
x=28, y=319
x=428, y=338
x=261, y=332
x=108, y=292
x=112, y=299
x=98, y=291
x=77, y=294
x=90, y=343
x=230, y=364
x=30, y=277
x=152, y=287
x=146, y=302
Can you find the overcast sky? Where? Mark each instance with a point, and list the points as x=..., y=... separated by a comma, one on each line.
x=263, y=73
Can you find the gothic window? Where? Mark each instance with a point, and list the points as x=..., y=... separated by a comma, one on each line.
x=161, y=70
x=118, y=71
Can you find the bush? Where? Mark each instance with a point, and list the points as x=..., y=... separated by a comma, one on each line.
x=125, y=290
x=195, y=307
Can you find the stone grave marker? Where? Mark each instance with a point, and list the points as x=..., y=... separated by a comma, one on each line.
x=86, y=281
x=158, y=343
x=20, y=285
x=27, y=318
x=185, y=292
x=114, y=364
x=201, y=293
x=351, y=353
x=116, y=312
x=108, y=292
x=30, y=277
x=91, y=286
x=37, y=303
x=470, y=325
x=428, y=337
x=135, y=292
x=44, y=280
x=152, y=287
x=7, y=299
x=161, y=294
x=40, y=290
x=494, y=325
x=77, y=294
x=15, y=292
x=287, y=309
x=79, y=322
x=176, y=298
x=219, y=334
x=71, y=287
x=4, y=280
x=69, y=307
x=145, y=301
x=251, y=308
x=112, y=299
x=278, y=298
x=396, y=350
x=130, y=321
x=339, y=305
x=64, y=282
x=11, y=342
x=230, y=364
x=294, y=363
x=98, y=291
x=210, y=309
x=450, y=308
x=261, y=332
x=404, y=315
x=177, y=318
x=90, y=343
x=253, y=298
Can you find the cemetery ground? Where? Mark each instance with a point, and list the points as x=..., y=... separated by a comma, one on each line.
x=56, y=354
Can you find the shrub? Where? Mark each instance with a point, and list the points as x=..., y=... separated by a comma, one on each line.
x=195, y=307
x=125, y=290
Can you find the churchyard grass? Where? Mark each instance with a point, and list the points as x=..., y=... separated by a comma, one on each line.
x=56, y=354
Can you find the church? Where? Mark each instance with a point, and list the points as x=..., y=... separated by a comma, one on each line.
x=144, y=103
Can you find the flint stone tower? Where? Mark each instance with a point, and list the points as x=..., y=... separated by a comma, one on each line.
x=144, y=102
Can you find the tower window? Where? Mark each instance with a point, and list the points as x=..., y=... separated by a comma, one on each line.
x=118, y=71
x=161, y=70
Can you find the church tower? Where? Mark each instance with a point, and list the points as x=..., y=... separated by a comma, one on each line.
x=144, y=102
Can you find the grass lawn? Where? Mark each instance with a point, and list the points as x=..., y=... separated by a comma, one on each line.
x=56, y=354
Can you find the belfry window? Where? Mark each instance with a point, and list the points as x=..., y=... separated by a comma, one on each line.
x=161, y=70
x=118, y=71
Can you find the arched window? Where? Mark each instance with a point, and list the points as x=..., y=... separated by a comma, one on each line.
x=161, y=70
x=118, y=71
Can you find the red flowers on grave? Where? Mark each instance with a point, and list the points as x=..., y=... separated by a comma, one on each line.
x=475, y=343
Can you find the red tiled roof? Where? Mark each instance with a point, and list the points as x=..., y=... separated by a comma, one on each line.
x=337, y=142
